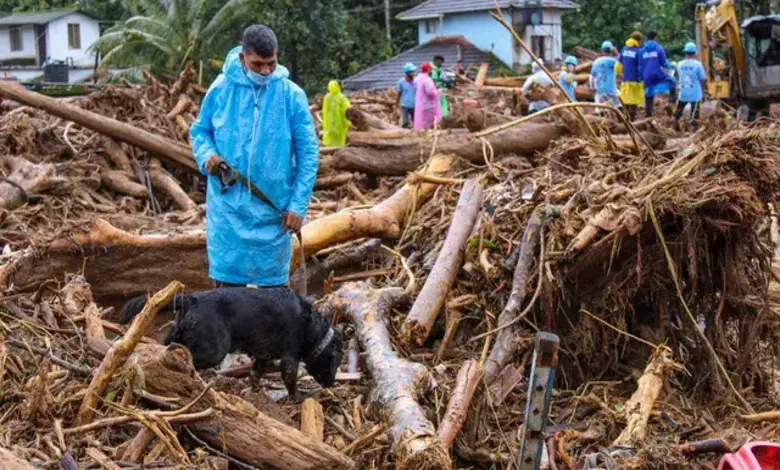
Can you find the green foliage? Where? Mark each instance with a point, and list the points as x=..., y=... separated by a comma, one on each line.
x=165, y=34
x=614, y=20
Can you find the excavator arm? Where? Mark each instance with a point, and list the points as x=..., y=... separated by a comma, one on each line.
x=717, y=27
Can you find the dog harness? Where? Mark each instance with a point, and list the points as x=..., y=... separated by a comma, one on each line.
x=322, y=344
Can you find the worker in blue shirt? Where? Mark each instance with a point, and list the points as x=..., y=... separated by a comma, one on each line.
x=406, y=88
x=256, y=121
x=603, y=76
x=693, y=80
x=653, y=61
x=568, y=78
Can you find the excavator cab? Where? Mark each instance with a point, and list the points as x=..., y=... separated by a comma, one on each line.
x=761, y=37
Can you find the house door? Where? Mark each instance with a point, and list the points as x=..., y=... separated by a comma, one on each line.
x=40, y=34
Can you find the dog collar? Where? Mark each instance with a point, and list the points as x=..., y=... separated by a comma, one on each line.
x=322, y=344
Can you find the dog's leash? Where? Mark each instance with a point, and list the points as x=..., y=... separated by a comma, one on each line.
x=228, y=177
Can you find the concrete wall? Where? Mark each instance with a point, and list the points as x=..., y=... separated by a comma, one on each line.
x=551, y=30
x=487, y=34
x=478, y=27
x=57, y=39
x=28, y=43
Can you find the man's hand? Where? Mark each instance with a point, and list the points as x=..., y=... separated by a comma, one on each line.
x=212, y=163
x=292, y=222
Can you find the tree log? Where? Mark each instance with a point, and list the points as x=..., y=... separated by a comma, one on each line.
x=361, y=136
x=506, y=342
x=171, y=151
x=9, y=461
x=117, y=154
x=239, y=429
x=122, y=349
x=182, y=105
x=312, y=419
x=385, y=220
x=24, y=178
x=639, y=407
x=431, y=298
x=398, y=382
x=166, y=183
x=123, y=183
x=120, y=263
x=329, y=182
x=364, y=121
x=398, y=157
x=458, y=407
x=137, y=447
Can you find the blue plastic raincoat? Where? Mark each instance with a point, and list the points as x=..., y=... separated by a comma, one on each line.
x=266, y=132
x=653, y=60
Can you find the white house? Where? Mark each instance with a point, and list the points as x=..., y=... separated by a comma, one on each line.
x=29, y=40
x=538, y=22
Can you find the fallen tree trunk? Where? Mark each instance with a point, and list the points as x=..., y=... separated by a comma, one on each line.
x=166, y=183
x=360, y=136
x=120, y=264
x=431, y=298
x=398, y=382
x=238, y=428
x=385, y=220
x=171, y=151
x=363, y=121
x=398, y=157
x=506, y=341
x=116, y=154
x=24, y=178
x=458, y=407
x=123, y=183
x=639, y=407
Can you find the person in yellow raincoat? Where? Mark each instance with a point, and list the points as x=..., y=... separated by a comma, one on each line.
x=334, y=116
x=632, y=90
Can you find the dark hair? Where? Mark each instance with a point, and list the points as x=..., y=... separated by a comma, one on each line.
x=260, y=39
x=438, y=57
x=651, y=35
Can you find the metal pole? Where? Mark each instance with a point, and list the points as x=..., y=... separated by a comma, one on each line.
x=387, y=20
x=537, y=407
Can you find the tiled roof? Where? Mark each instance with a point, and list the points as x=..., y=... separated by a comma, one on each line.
x=35, y=18
x=435, y=8
x=387, y=74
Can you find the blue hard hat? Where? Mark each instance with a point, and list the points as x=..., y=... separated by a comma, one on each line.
x=690, y=48
x=409, y=67
x=571, y=60
x=607, y=46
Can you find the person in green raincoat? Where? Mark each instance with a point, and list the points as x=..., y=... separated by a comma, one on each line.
x=334, y=116
x=438, y=63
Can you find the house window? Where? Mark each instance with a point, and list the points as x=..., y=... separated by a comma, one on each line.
x=431, y=26
x=16, y=38
x=74, y=36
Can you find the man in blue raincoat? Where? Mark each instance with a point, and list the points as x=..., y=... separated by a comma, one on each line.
x=257, y=121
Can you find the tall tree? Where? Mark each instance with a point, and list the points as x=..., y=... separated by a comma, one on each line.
x=165, y=34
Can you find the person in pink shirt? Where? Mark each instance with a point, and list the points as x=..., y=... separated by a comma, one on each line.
x=427, y=108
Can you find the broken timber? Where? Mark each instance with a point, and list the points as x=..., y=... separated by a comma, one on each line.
x=171, y=151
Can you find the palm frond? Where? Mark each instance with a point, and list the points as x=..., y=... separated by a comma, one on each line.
x=226, y=17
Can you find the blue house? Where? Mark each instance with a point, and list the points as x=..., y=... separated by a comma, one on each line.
x=538, y=22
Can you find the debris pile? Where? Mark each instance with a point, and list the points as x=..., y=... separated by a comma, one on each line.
x=648, y=252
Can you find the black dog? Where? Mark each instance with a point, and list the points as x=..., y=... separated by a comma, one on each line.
x=267, y=324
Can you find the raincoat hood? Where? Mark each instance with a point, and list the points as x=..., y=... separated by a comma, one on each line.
x=334, y=87
x=234, y=69
x=650, y=44
x=631, y=42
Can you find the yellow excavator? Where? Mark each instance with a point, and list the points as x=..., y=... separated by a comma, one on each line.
x=742, y=61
